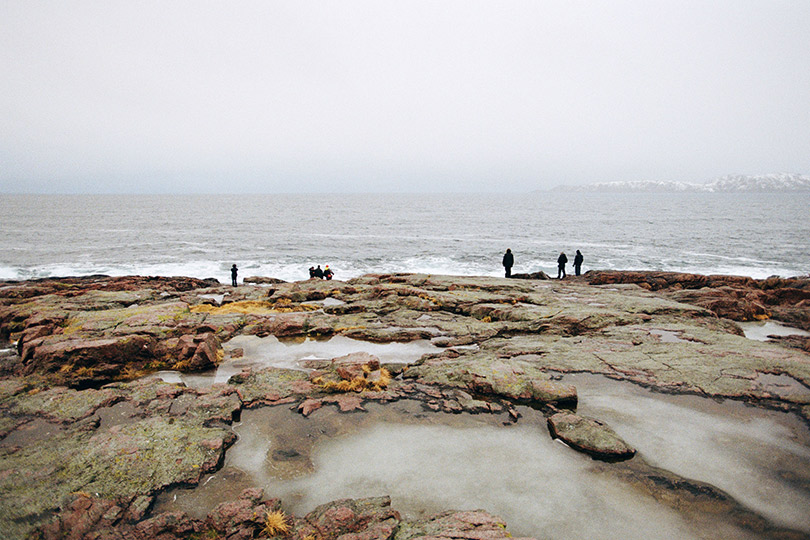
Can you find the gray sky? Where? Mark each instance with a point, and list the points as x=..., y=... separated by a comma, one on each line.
x=122, y=96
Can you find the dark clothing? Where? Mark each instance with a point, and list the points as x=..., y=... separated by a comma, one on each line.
x=319, y=272
x=312, y=272
x=508, y=262
x=578, y=258
x=561, y=260
x=327, y=273
x=234, y=271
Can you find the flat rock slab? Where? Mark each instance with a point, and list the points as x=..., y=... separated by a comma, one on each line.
x=590, y=436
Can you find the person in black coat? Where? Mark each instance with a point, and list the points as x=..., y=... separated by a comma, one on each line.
x=561, y=260
x=319, y=272
x=578, y=258
x=234, y=271
x=508, y=262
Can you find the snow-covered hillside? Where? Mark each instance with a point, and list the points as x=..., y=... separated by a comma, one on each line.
x=731, y=183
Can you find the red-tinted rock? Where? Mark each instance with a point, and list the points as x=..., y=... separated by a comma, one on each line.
x=349, y=517
x=245, y=514
x=355, y=365
x=738, y=298
x=309, y=406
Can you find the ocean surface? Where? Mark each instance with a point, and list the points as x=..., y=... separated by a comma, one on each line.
x=754, y=234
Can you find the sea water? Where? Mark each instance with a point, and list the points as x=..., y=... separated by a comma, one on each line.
x=756, y=235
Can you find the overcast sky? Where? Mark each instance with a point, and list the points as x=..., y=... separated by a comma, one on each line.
x=366, y=96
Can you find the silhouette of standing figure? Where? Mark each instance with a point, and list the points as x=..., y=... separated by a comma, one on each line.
x=234, y=271
x=578, y=258
x=327, y=273
x=508, y=262
x=561, y=260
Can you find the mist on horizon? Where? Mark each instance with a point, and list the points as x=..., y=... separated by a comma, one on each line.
x=362, y=96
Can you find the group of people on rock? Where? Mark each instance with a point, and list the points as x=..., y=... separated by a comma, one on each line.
x=508, y=263
x=326, y=273
x=562, y=260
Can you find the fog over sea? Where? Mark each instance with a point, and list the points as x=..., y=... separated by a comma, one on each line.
x=751, y=234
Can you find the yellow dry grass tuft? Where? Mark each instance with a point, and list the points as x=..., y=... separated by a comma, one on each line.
x=275, y=524
x=253, y=307
x=357, y=384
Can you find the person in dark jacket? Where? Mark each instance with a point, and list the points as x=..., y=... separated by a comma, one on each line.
x=319, y=272
x=561, y=260
x=327, y=273
x=234, y=271
x=578, y=258
x=508, y=262
x=312, y=272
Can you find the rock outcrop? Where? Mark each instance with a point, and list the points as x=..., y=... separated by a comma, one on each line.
x=86, y=517
x=733, y=297
x=88, y=441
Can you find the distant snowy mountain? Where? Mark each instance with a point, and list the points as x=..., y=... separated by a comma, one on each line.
x=726, y=184
x=767, y=182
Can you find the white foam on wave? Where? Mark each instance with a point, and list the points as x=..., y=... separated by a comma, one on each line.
x=346, y=269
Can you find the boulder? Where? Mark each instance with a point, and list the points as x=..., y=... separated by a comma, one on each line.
x=85, y=362
x=355, y=365
x=191, y=352
x=589, y=436
x=534, y=275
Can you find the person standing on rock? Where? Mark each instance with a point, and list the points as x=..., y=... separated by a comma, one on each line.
x=508, y=262
x=319, y=272
x=327, y=273
x=234, y=271
x=578, y=258
x=561, y=260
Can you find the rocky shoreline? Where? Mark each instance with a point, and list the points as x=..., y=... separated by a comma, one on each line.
x=87, y=440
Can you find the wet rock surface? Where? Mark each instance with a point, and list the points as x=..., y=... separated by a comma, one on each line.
x=590, y=436
x=86, y=439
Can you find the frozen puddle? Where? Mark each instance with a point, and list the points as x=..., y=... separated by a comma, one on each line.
x=258, y=353
x=431, y=462
x=217, y=298
x=761, y=458
x=760, y=330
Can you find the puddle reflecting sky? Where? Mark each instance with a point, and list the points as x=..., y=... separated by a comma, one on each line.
x=271, y=352
x=760, y=330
